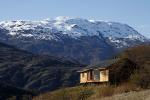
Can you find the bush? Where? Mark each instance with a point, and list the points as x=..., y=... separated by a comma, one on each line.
x=121, y=71
x=141, y=77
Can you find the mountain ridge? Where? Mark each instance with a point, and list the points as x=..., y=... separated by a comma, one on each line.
x=86, y=41
x=69, y=25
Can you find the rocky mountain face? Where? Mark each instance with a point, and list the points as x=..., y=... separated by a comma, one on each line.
x=87, y=41
x=28, y=71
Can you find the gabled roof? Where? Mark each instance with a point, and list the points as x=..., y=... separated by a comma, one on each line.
x=101, y=65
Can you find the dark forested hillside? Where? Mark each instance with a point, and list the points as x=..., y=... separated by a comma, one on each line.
x=25, y=70
x=8, y=92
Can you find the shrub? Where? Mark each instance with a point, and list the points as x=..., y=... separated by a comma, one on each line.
x=121, y=71
x=142, y=77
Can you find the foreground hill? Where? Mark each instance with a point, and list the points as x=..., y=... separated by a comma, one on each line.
x=96, y=93
x=142, y=95
x=25, y=70
x=87, y=41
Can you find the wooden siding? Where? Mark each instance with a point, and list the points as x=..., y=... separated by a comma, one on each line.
x=104, y=75
x=83, y=77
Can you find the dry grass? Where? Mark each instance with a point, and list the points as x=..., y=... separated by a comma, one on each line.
x=142, y=95
x=125, y=87
x=88, y=93
x=75, y=93
x=102, y=91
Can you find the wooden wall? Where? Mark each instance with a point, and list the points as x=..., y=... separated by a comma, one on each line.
x=83, y=77
x=104, y=75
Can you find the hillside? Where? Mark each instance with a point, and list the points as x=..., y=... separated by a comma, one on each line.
x=87, y=41
x=42, y=73
x=130, y=74
x=142, y=95
x=96, y=93
x=8, y=91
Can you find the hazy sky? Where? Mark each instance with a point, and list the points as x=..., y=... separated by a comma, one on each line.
x=136, y=13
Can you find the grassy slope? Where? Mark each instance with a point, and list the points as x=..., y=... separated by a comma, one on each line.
x=96, y=93
x=84, y=92
x=142, y=95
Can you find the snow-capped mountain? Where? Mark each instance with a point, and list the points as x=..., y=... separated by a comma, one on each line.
x=67, y=30
x=73, y=27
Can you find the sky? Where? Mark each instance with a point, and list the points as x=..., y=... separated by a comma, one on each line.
x=135, y=13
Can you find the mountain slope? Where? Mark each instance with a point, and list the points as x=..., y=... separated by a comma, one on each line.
x=8, y=91
x=87, y=41
x=25, y=70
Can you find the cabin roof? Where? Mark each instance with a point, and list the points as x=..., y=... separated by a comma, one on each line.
x=101, y=65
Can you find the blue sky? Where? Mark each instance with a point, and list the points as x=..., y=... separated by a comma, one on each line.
x=136, y=13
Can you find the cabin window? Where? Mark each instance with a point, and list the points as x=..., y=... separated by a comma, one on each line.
x=90, y=75
x=96, y=75
x=82, y=74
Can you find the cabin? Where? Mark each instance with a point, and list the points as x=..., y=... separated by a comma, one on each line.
x=98, y=73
